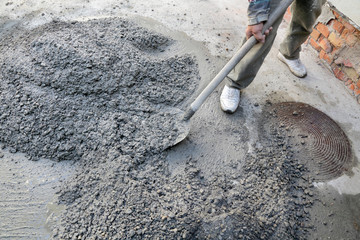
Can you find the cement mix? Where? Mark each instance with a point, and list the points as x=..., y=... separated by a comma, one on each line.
x=100, y=92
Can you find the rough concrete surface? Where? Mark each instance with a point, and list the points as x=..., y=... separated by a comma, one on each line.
x=101, y=83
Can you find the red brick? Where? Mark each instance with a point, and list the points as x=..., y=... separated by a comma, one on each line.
x=335, y=51
x=351, y=87
x=335, y=40
x=324, y=44
x=325, y=56
x=323, y=29
x=342, y=20
x=348, y=82
x=357, y=92
x=288, y=10
x=358, y=84
x=315, y=45
x=347, y=63
x=287, y=15
x=351, y=40
x=339, y=27
x=357, y=33
x=337, y=72
x=334, y=67
x=341, y=75
x=336, y=14
x=350, y=27
x=344, y=33
x=315, y=34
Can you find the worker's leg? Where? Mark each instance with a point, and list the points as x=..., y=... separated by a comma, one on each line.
x=304, y=15
x=245, y=71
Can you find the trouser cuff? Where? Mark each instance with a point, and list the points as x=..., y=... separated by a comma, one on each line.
x=293, y=56
x=231, y=83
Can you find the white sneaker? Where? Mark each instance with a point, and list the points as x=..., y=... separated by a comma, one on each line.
x=295, y=66
x=229, y=99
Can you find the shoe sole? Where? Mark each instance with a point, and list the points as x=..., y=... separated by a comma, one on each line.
x=228, y=111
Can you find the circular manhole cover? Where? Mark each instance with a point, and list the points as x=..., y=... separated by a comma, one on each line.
x=327, y=145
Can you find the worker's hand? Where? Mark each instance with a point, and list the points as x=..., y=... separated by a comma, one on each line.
x=256, y=31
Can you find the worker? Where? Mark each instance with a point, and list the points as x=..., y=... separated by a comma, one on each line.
x=304, y=15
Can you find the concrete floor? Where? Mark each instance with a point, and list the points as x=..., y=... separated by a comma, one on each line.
x=211, y=30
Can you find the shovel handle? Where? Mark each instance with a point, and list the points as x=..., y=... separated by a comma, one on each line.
x=279, y=11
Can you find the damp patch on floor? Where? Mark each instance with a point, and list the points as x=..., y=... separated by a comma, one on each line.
x=28, y=195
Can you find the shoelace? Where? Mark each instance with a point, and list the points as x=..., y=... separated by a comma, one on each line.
x=295, y=63
x=231, y=93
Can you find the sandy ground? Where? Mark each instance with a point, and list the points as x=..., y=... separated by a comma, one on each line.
x=210, y=30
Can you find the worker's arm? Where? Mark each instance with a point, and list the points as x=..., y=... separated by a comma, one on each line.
x=258, y=13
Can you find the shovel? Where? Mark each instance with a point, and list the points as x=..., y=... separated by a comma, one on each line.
x=184, y=125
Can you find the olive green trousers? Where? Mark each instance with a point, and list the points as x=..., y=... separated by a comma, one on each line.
x=304, y=15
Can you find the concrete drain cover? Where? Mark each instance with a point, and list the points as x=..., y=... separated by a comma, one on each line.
x=325, y=142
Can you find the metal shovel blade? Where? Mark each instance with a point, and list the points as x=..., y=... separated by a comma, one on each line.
x=183, y=124
x=180, y=125
x=183, y=127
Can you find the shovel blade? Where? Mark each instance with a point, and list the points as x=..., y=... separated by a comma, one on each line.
x=183, y=131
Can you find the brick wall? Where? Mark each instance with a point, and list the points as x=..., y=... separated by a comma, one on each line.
x=337, y=43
